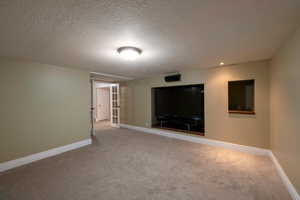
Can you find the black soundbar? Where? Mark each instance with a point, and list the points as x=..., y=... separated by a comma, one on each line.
x=173, y=78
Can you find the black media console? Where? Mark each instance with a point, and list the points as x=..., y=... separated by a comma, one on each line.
x=189, y=123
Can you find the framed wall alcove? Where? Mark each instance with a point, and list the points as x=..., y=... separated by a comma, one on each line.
x=241, y=95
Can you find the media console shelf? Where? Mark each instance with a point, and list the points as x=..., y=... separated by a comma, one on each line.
x=179, y=130
x=179, y=121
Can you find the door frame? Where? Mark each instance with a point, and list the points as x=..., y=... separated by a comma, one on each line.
x=115, y=105
x=94, y=104
x=92, y=107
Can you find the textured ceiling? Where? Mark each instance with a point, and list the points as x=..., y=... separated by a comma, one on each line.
x=174, y=34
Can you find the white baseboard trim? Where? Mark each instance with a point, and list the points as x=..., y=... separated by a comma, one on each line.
x=173, y=134
x=253, y=150
x=45, y=154
x=290, y=187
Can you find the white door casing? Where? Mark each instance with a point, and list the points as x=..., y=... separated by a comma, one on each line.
x=93, y=105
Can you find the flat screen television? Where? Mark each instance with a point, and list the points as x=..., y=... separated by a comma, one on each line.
x=179, y=104
x=179, y=100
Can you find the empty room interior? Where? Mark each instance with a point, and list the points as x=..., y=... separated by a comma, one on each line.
x=158, y=100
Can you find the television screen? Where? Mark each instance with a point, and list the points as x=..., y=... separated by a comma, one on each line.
x=183, y=101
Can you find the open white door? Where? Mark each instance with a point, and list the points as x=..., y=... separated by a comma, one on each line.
x=115, y=105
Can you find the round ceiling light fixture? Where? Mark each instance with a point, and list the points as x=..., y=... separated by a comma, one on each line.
x=129, y=53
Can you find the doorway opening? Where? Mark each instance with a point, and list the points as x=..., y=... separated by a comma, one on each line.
x=102, y=108
x=105, y=112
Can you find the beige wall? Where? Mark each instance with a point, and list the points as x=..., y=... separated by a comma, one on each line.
x=41, y=107
x=252, y=130
x=285, y=108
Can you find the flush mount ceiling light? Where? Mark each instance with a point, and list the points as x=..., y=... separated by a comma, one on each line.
x=221, y=63
x=129, y=53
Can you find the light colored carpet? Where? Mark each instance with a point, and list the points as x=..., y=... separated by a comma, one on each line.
x=102, y=125
x=129, y=165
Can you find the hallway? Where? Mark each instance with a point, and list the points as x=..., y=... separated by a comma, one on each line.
x=102, y=125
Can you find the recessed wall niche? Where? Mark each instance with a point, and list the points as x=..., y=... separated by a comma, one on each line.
x=241, y=96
